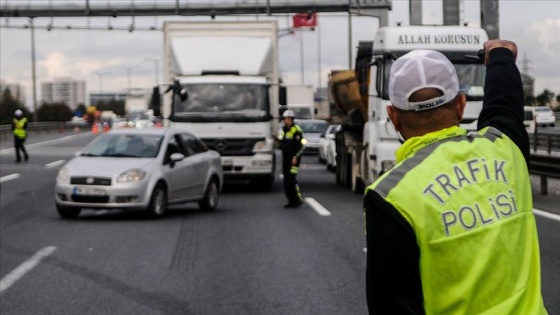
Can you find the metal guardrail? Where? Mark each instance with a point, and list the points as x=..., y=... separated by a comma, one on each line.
x=47, y=127
x=545, y=157
x=545, y=165
x=545, y=141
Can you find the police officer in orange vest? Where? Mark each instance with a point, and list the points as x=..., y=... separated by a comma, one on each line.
x=19, y=128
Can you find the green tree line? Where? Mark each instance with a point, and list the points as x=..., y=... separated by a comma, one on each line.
x=49, y=111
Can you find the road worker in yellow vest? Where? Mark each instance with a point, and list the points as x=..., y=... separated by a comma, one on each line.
x=19, y=128
x=291, y=143
x=450, y=229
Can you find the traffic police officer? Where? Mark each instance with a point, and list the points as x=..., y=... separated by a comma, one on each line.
x=450, y=229
x=19, y=128
x=291, y=143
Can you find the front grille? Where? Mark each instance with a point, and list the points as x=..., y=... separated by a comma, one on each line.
x=90, y=199
x=101, y=181
x=232, y=146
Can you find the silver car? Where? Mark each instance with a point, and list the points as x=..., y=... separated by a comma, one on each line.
x=312, y=131
x=140, y=169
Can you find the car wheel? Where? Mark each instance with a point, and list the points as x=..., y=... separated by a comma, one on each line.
x=68, y=212
x=158, y=202
x=211, y=197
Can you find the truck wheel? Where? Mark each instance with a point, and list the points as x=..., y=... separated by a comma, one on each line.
x=355, y=178
x=68, y=212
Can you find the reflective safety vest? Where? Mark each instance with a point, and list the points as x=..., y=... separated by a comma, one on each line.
x=292, y=141
x=19, y=131
x=468, y=199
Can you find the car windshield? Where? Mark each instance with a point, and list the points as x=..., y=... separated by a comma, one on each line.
x=124, y=145
x=313, y=126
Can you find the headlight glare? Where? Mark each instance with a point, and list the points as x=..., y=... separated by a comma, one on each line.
x=130, y=176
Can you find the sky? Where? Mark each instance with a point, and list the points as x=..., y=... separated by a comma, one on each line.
x=105, y=58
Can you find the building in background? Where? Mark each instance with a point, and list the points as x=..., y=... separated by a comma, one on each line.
x=16, y=89
x=96, y=98
x=64, y=90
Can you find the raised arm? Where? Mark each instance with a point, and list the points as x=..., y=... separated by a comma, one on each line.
x=503, y=93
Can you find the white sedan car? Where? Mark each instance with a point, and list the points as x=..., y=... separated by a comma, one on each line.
x=140, y=169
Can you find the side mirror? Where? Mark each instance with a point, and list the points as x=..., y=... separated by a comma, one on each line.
x=176, y=157
x=183, y=95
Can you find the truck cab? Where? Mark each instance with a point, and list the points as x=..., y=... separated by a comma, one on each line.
x=367, y=150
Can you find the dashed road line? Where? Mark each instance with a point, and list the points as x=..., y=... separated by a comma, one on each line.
x=54, y=164
x=8, y=177
x=322, y=211
x=16, y=274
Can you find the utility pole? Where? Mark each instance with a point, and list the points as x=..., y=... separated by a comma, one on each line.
x=34, y=74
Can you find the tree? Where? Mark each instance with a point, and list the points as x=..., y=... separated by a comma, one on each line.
x=54, y=112
x=8, y=106
x=545, y=98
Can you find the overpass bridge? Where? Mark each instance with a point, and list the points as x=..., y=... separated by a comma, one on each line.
x=120, y=8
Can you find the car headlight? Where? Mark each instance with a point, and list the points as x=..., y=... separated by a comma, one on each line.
x=134, y=175
x=63, y=174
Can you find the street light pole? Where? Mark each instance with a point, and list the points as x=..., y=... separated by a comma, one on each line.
x=302, y=62
x=34, y=74
x=128, y=78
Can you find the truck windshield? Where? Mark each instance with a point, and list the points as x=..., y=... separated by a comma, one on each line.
x=471, y=80
x=302, y=112
x=223, y=102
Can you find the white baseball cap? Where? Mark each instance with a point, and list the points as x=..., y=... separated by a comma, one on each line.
x=18, y=112
x=421, y=69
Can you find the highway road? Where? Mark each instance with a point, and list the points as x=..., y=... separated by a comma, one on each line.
x=251, y=256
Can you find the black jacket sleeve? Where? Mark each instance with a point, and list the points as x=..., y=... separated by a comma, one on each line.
x=503, y=99
x=393, y=283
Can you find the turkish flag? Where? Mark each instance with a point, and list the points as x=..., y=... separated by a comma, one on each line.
x=308, y=19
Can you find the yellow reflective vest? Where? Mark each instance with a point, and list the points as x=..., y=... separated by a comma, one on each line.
x=19, y=131
x=467, y=197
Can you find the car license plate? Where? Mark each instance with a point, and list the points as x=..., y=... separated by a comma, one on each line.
x=227, y=162
x=89, y=191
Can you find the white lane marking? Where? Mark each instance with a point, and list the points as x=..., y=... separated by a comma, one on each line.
x=8, y=177
x=25, y=267
x=547, y=214
x=54, y=164
x=317, y=207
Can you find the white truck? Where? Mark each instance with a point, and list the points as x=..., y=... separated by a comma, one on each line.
x=367, y=143
x=301, y=99
x=224, y=77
